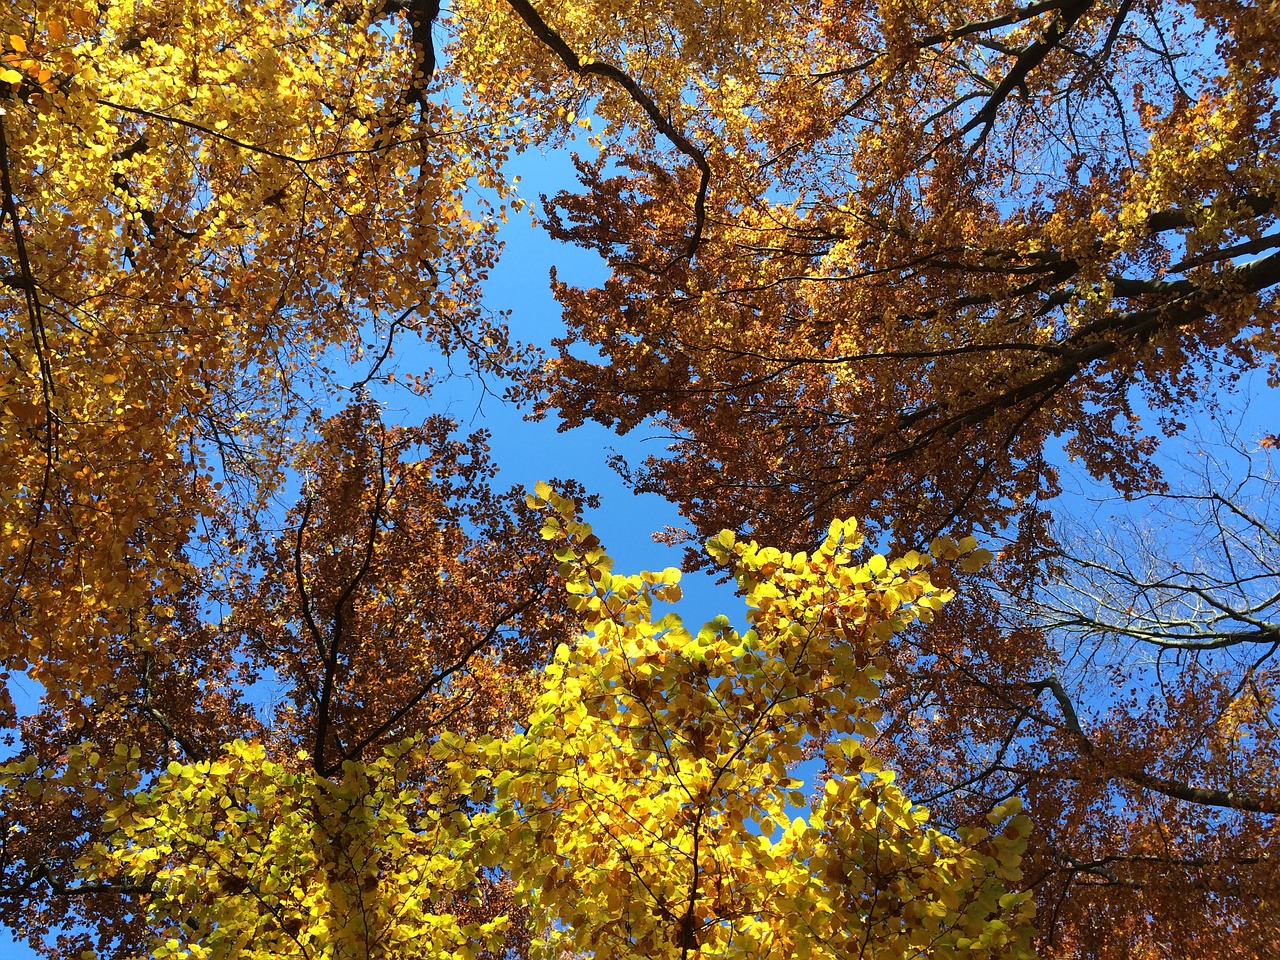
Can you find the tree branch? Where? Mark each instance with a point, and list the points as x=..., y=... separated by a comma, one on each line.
x=336, y=633
x=544, y=32
x=1028, y=59
x=191, y=748
x=1228, y=799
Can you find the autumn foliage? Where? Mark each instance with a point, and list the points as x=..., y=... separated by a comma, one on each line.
x=618, y=815
x=940, y=247
x=312, y=684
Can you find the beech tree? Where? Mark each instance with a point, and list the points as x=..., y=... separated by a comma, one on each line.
x=212, y=217
x=864, y=260
x=401, y=594
x=930, y=240
x=912, y=249
x=618, y=814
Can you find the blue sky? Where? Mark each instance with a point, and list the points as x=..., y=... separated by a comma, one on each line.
x=529, y=451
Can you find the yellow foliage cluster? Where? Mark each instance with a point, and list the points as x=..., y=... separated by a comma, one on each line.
x=655, y=807
x=651, y=806
x=201, y=225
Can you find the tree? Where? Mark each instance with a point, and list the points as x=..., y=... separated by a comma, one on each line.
x=864, y=261
x=201, y=231
x=210, y=216
x=934, y=239
x=205, y=227
x=206, y=224
x=1174, y=593
x=402, y=594
x=618, y=815
x=925, y=245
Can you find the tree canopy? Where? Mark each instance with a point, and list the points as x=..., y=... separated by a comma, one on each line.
x=944, y=250
x=875, y=260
